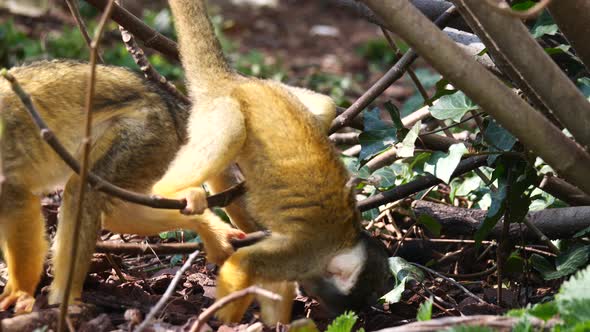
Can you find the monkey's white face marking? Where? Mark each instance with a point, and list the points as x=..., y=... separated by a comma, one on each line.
x=345, y=268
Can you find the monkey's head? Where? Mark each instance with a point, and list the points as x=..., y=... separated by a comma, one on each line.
x=355, y=278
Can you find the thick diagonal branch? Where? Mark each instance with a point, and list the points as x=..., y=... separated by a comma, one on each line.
x=528, y=125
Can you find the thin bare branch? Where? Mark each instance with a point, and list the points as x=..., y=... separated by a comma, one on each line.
x=415, y=79
x=452, y=281
x=146, y=67
x=557, y=223
x=162, y=301
x=86, y=144
x=171, y=248
x=392, y=75
x=150, y=37
x=513, y=113
x=521, y=51
x=564, y=191
x=73, y=6
x=421, y=183
x=572, y=18
x=207, y=314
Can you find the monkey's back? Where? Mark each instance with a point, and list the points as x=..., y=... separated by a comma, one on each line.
x=58, y=90
x=299, y=179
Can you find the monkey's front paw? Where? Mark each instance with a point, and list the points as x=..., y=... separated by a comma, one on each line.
x=196, y=201
x=22, y=301
x=217, y=253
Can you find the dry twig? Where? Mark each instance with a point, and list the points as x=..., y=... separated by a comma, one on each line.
x=146, y=67
x=220, y=303
x=75, y=10
x=162, y=301
x=384, y=82
x=171, y=248
x=452, y=281
x=86, y=143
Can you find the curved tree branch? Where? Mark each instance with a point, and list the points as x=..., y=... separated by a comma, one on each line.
x=513, y=113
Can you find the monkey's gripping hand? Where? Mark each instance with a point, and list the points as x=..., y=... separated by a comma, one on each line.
x=196, y=201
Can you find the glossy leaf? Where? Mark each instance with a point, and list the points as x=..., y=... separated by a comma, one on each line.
x=452, y=107
x=442, y=165
x=409, y=143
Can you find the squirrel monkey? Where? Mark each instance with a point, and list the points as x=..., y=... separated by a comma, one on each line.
x=137, y=131
x=296, y=183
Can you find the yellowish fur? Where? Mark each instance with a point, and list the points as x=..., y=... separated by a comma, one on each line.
x=137, y=130
x=296, y=183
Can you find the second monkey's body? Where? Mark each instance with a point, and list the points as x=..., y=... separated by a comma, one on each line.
x=137, y=130
x=296, y=183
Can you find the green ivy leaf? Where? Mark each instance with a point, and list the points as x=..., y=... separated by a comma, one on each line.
x=395, y=295
x=557, y=49
x=498, y=138
x=442, y=165
x=573, y=300
x=370, y=214
x=376, y=141
x=582, y=233
x=541, y=264
x=425, y=311
x=372, y=120
x=395, y=115
x=385, y=176
x=511, y=193
x=377, y=136
x=452, y=107
x=409, y=143
x=544, y=311
x=544, y=26
x=441, y=90
x=402, y=269
x=464, y=187
x=352, y=164
x=497, y=207
x=343, y=323
x=566, y=263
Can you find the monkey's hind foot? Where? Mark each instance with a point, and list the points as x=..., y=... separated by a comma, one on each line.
x=23, y=302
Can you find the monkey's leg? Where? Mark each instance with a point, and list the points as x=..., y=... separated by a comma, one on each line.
x=22, y=238
x=214, y=232
x=321, y=106
x=275, y=259
x=217, y=134
x=92, y=207
x=273, y=312
x=236, y=210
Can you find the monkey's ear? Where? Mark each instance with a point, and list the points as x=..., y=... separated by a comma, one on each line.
x=345, y=268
